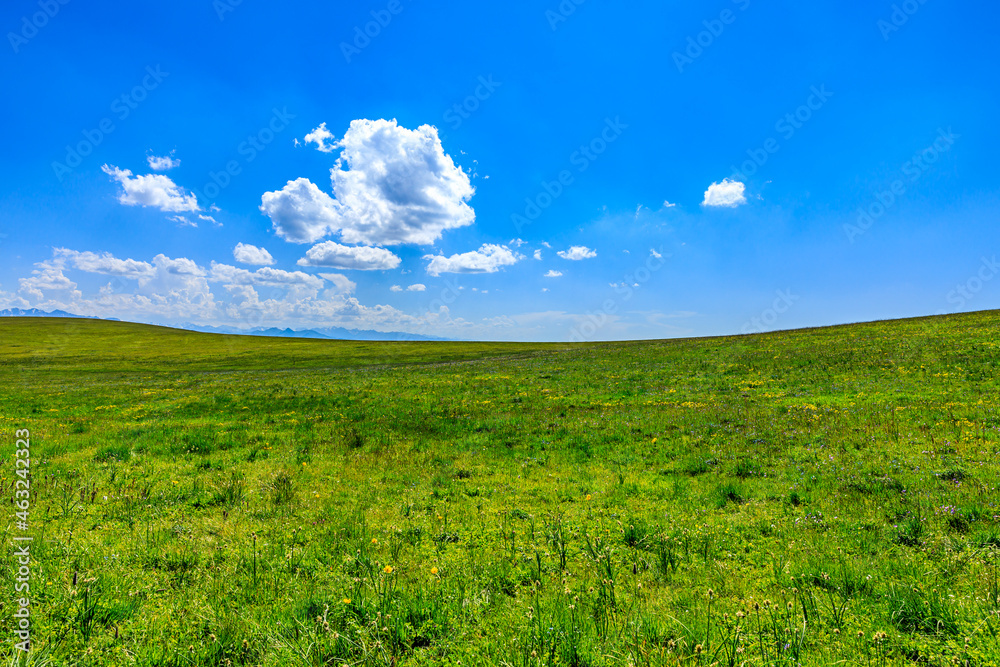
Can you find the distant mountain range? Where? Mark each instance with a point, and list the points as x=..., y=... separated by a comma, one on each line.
x=332, y=333
x=34, y=312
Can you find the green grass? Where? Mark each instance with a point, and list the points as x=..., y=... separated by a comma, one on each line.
x=817, y=497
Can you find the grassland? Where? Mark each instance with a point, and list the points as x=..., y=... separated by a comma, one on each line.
x=817, y=497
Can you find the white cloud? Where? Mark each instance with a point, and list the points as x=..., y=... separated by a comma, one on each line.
x=488, y=259
x=252, y=255
x=358, y=258
x=167, y=287
x=655, y=254
x=322, y=137
x=267, y=277
x=667, y=204
x=165, y=163
x=577, y=253
x=341, y=282
x=725, y=194
x=517, y=243
x=391, y=186
x=154, y=190
x=106, y=264
x=417, y=288
x=553, y=274
x=48, y=277
x=538, y=254
x=301, y=212
x=395, y=288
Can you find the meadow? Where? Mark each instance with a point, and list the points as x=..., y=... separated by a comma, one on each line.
x=816, y=497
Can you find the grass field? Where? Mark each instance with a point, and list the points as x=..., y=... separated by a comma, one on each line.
x=817, y=497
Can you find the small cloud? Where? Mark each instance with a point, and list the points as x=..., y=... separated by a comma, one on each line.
x=727, y=194
x=545, y=289
x=655, y=254
x=162, y=163
x=546, y=244
x=323, y=139
x=553, y=274
x=667, y=204
x=155, y=190
x=517, y=243
x=343, y=284
x=417, y=288
x=577, y=253
x=359, y=258
x=488, y=259
x=252, y=255
x=395, y=288
x=538, y=254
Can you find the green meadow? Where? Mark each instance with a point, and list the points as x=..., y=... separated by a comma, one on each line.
x=817, y=497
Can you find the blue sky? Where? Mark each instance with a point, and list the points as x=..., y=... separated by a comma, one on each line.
x=250, y=164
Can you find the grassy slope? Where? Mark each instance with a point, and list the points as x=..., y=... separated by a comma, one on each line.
x=576, y=502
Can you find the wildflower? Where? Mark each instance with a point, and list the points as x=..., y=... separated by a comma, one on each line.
x=434, y=570
x=374, y=540
x=587, y=498
x=346, y=600
x=388, y=569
